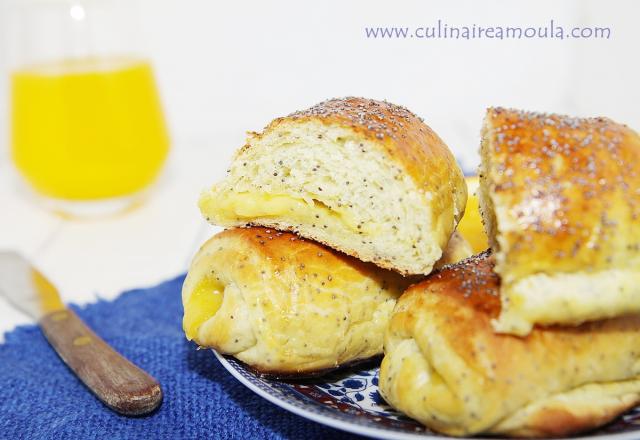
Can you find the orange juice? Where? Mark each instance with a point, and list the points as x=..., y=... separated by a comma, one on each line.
x=90, y=128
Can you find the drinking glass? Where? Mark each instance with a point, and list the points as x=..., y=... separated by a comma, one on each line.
x=87, y=128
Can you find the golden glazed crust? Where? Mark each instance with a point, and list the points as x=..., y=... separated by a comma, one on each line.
x=446, y=367
x=572, y=187
x=561, y=202
x=289, y=306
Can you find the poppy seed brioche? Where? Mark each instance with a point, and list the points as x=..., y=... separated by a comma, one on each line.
x=286, y=305
x=560, y=199
x=446, y=367
x=368, y=178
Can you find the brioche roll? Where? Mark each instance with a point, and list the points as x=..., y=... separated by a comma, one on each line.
x=364, y=177
x=445, y=366
x=285, y=305
x=560, y=199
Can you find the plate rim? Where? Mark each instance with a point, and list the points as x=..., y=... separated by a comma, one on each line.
x=377, y=432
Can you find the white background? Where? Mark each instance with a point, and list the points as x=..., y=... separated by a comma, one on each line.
x=227, y=67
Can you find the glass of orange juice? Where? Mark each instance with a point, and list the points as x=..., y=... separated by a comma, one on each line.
x=87, y=129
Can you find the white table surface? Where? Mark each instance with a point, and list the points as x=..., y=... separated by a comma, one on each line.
x=91, y=259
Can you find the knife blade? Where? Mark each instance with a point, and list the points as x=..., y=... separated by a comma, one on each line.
x=118, y=383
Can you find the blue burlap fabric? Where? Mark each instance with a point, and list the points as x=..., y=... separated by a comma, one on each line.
x=41, y=399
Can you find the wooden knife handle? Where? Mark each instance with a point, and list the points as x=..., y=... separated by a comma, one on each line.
x=118, y=383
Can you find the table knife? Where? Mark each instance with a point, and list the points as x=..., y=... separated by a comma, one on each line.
x=118, y=383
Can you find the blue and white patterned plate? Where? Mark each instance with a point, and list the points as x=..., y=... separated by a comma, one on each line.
x=349, y=400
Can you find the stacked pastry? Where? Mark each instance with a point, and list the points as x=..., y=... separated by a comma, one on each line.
x=333, y=212
x=540, y=336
